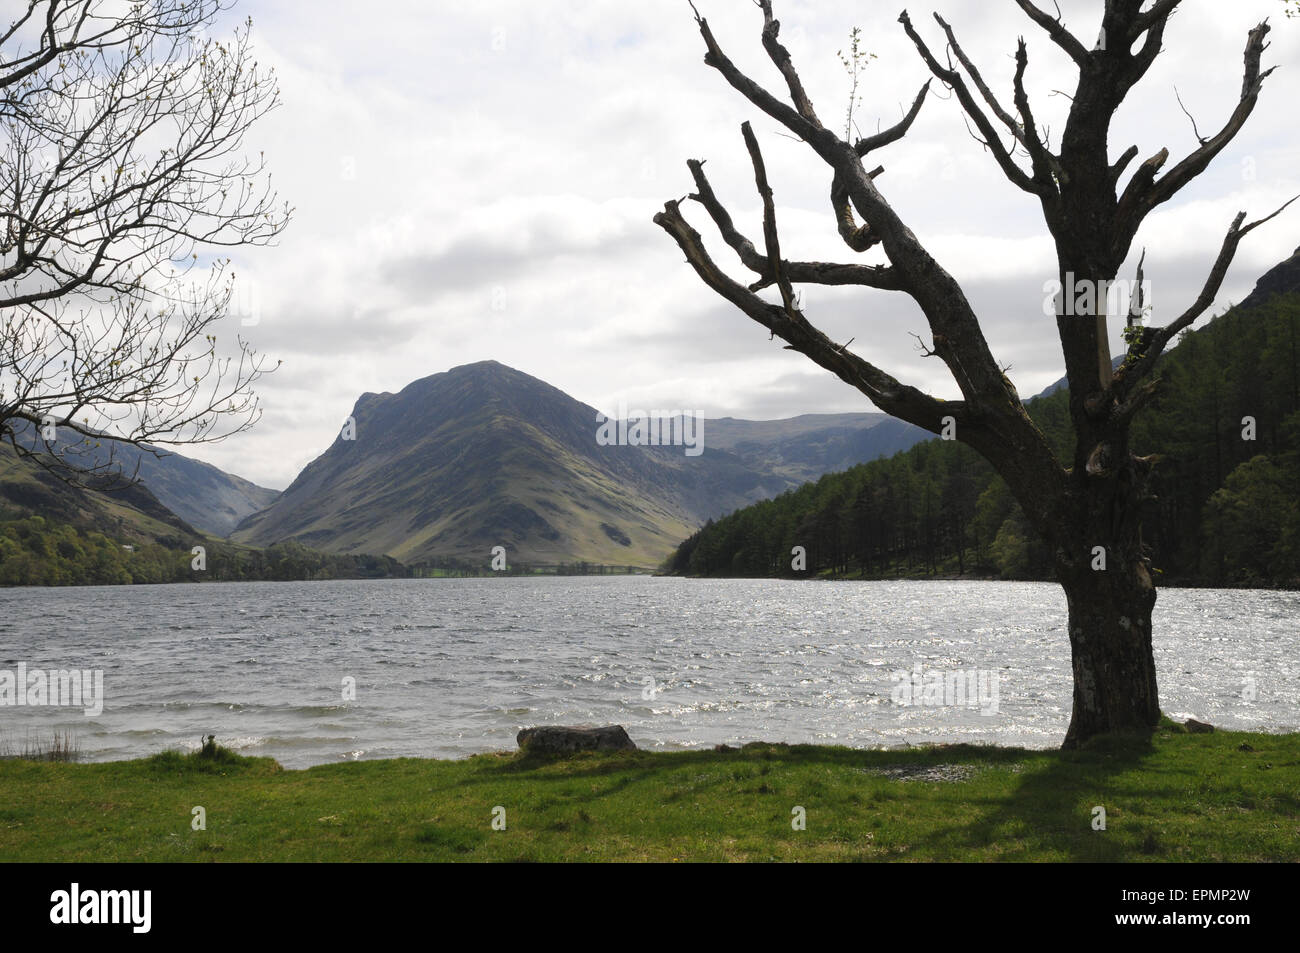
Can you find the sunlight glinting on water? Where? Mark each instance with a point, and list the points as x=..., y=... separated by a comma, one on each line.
x=452, y=667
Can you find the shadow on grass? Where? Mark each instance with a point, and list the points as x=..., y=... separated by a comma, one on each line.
x=1046, y=808
x=596, y=764
x=1051, y=809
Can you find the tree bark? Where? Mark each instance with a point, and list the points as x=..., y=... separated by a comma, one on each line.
x=1110, y=651
x=1103, y=566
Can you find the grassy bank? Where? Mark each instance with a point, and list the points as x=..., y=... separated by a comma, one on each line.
x=1217, y=797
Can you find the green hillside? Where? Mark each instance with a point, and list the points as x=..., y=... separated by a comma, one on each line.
x=1225, y=513
x=202, y=495
x=56, y=534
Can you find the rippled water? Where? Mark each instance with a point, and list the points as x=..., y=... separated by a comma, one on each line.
x=450, y=667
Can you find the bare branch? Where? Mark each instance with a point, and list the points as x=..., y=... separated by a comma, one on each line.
x=1144, y=193
x=705, y=195
x=781, y=57
x=953, y=80
x=858, y=237
x=881, y=277
x=1160, y=337
x=798, y=272
x=1196, y=132
x=1057, y=31
x=770, y=237
x=1154, y=18
x=978, y=80
x=1122, y=163
x=1047, y=167
x=896, y=131
x=809, y=130
x=887, y=393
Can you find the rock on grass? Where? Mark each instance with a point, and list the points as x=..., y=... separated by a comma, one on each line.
x=560, y=740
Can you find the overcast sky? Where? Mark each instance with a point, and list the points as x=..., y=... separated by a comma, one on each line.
x=476, y=181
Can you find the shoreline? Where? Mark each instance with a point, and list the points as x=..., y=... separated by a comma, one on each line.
x=1233, y=801
x=669, y=749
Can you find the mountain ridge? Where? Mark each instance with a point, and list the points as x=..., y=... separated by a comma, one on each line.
x=204, y=496
x=508, y=459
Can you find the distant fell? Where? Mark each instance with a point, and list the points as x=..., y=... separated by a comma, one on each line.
x=484, y=455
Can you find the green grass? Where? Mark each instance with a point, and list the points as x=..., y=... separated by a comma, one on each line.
x=1218, y=797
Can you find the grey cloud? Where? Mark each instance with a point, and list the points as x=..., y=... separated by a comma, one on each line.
x=481, y=263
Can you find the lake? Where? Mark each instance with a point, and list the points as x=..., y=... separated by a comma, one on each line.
x=450, y=667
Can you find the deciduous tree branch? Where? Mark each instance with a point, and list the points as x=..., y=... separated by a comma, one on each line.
x=1057, y=31
x=954, y=81
x=896, y=131
x=799, y=272
x=770, y=238
x=124, y=129
x=1134, y=371
x=1145, y=192
x=887, y=393
x=990, y=415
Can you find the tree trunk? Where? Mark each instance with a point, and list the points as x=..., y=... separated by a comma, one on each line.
x=1101, y=561
x=1110, y=629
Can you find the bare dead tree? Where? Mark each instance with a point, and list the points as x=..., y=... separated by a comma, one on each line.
x=121, y=163
x=1088, y=509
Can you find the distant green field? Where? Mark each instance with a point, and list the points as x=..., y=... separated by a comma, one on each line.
x=1220, y=797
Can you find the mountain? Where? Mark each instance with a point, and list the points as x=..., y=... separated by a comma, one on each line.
x=803, y=448
x=131, y=513
x=477, y=457
x=484, y=455
x=200, y=494
x=1283, y=278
